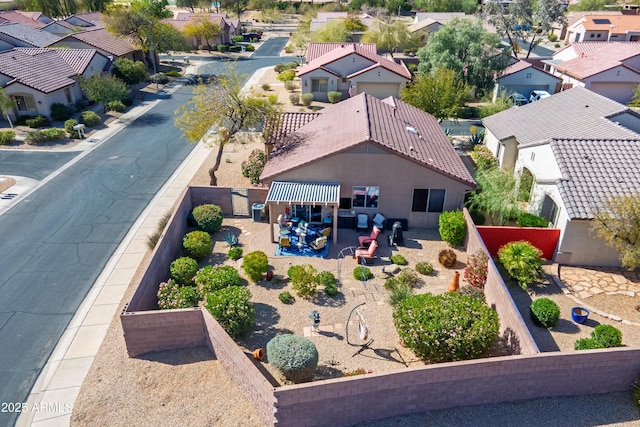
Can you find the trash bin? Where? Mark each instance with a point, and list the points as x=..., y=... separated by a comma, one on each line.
x=258, y=212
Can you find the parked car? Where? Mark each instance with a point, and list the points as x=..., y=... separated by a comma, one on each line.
x=249, y=37
x=537, y=95
x=518, y=99
x=194, y=79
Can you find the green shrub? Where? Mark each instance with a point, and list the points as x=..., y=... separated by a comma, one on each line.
x=294, y=98
x=447, y=327
x=7, y=136
x=208, y=217
x=285, y=297
x=545, y=312
x=249, y=48
x=116, y=106
x=173, y=73
x=89, y=118
x=328, y=280
x=290, y=85
x=288, y=48
x=452, y=227
x=183, y=269
x=38, y=121
x=255, y=264
x=294, y=356
x=362, y=273
x=22, y=120
x=406, y=277
x=233, y=309
x=636, y=393
x=266, y=87
x=235, y=253
x=45, y=135
x=526, y=219
x=253, y=166
x=59, y=112
x=222, y=48
x=502, y=103
x=130, y=72
x=197, y=244
x=152, y=239
x=399, y=292
x=468, y=112
x=587, y=344
x=273, y=99
x=483, y=158
x=237, y=39
x=398, y=259
x=552, y=38
x=476, y=215
x=447, y=258
x=607, y=335
x=522, y=261
x=334, y=97
x=210, y=279
x=303, y=279
x=307, y=99
x=286, y=75
x=171, y=295
x=424, y=268
x=128, y=101
x=235, y=48
x=68, y=127
x=331, y=290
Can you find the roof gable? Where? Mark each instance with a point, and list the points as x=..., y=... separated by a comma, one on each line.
x=589, y=64
x=316, y=50
x=27, y=34
x=45, y=71
x=101, y=39
x=21, y=18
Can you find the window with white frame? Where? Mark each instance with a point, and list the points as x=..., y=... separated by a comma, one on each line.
x=319, y=85
x=24, y=102
x=365, y=197
x=428, y=200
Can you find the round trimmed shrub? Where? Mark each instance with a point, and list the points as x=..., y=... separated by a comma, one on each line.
x=334, y=97
x=117, y=106
x=208, y=217
x=447, y=258
x=233, y=309
x=398, y=259
x=38, y=122
x=362, y=273
x=255, y=264
x=303, y=279
x=545, y=312
x=7, y=137
x=59, y=112
x=172, y=295
x=424, y=268
x=452, y=227
x=183, y=269
x=285, y=297
x=447, y=327
x=89, y=118
x=523, y=262
x=294, y=98
x=294, y=356
x=210, y=279
x=235, y=253
x=197, y=244
x=406, y=277
x=331, y=290
x=607, y=335
x=325, y=278
x=307, y=99
x=68, y=127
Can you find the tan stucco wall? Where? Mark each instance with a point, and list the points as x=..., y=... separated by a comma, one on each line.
x=579, y=246
x=368, y=165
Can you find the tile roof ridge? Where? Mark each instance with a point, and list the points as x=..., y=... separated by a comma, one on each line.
x=367, y=104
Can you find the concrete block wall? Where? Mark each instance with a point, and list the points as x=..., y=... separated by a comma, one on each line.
x=512, y=326
x=374, y=396
x=159, y=330
x=220, y=196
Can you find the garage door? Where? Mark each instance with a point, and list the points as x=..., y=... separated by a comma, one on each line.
x=380, y=90
x=621, y=92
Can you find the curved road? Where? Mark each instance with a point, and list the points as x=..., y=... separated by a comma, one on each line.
x=56, y=241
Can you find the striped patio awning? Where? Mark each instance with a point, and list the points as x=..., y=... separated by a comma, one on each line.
x=304, y=193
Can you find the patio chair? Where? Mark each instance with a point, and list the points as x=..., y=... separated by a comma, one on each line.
x=285, y=227
x=378, y=220
x=366, y=255
x=284, y=242
x=325, y=232
x=319, y=243
x=366, y=239
x=362, y=222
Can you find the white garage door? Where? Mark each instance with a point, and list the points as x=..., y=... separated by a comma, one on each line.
x=621, y=92
x=380, y=90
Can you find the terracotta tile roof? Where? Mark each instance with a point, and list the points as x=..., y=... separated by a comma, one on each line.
x=521, y=65
x=606, y=58
x=285, y=124
x=614, y=24
x=93, y=18
x=78, y=59
x=101, y=39
x=594, y=170
x=45, y=72
x=20, y=18
x=183, y=18
x=574, y=113
x=350, y=49
x=591, y=47
x=393, y=125
x=316, y=50
x=27, y=34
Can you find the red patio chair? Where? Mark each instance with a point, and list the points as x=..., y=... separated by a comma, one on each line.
x=366, y=239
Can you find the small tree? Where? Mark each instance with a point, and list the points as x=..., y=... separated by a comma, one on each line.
x=618, y=224
x=201, y=27
x=6, y=104
x=104, y=89
x=497, y=195
x=253, y=166
x=130, y=72
x=438, y=93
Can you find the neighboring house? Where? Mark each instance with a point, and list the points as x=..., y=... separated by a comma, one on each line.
x=611, y=69
x=19, y=35
x=316, y=50
x=430, y=22
x=566, y=143
x=37, y=78
x=353, y=69
x=86, y=20
x=574, y=16
x=522, y=77
x=101, y=40
x=323, y=18
x=364, y=155
x=604, y=27
x=229, y=27
x=60, y=28
x=34, y=20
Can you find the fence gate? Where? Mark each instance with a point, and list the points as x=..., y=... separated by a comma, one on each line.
x=240, y=201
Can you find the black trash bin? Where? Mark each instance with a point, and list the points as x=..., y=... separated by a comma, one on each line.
x=258, y=212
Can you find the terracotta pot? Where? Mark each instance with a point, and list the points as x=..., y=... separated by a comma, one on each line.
x=259, y=354
x=269, y=275
x=454, y=284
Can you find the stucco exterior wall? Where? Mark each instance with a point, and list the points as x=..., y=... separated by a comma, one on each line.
x=368, y=165
x=579, y=246
x=519, y=82
x=42, y=101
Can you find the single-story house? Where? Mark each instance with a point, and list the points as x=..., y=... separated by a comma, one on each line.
x=364, y=155
x=19, y=35
x=34, y=20
x=604, y=27
x=323, y=18
x=611, y=69
x=430, y=22
x=575, y=15
x=37, y=78
x=571, y=144
x=316, y=50
x=86, y=20
x=229, y=26
x=101, y=40
x=523, y=77
x=352, y=69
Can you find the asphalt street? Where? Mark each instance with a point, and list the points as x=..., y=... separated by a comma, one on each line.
x=56, y=241
x=33, y=164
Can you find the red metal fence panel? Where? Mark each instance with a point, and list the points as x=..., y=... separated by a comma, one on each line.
x=545, y=239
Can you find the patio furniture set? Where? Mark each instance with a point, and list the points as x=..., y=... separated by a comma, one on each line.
x=302, y=235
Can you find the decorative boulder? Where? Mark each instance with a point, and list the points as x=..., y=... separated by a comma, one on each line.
x=294, y=356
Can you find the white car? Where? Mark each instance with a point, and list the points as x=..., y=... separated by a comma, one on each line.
x=537, y=95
